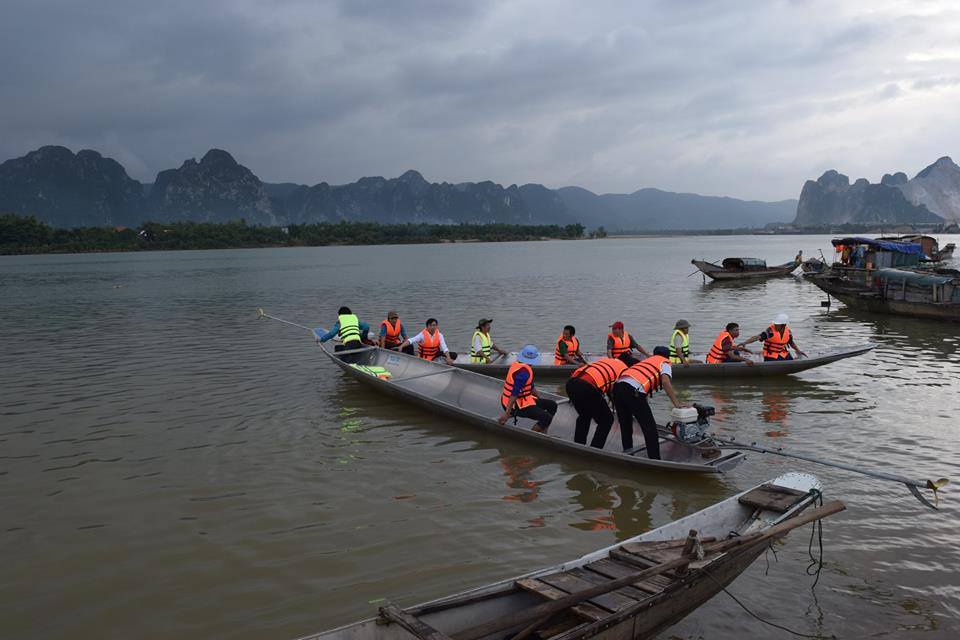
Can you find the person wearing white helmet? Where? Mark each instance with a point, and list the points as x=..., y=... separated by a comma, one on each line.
x=777, y=340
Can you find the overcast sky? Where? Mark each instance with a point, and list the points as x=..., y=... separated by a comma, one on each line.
x=738, y=98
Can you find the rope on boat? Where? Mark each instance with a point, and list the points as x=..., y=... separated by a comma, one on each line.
x=816, y=561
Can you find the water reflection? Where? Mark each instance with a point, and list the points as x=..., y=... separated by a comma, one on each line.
x=518, y=470
x=625, y=510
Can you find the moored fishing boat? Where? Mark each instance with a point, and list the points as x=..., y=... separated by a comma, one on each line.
x=473, y=398
x=634, y=589
x=917, y=294
x=743, y=269
x=693, y=371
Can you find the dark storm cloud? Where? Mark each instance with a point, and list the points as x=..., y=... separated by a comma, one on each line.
x=735, y=98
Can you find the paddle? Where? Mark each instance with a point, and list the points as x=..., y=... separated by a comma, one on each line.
x=912, y=485
x=541, y=611
x=315, y=332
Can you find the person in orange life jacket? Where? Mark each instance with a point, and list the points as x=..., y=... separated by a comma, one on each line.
x=777, y=340
x=620, y=343
x=430, y=343
x=392, y=333
x=724, y=348
x=519, y=397
x=568, y=348
x=587, y=389
x=630, y=394
x=349, y=329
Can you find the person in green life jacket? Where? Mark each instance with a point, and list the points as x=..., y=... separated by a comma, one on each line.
x=348, y=329
x=680, y=344
x=482, y=343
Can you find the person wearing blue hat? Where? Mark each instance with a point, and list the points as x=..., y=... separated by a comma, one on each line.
x=519, y=397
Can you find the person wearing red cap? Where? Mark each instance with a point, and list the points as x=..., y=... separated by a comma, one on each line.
x=620, y=344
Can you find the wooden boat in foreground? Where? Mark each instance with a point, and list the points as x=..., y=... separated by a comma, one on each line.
x=474, y=398
x=743, y=269
x=694, y=371
x=636, y=589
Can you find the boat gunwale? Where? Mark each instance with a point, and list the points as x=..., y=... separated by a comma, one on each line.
x=728, y=460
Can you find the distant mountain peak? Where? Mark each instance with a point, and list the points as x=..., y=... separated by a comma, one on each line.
x=412, y=175
x=945, y=163
x=218, y=157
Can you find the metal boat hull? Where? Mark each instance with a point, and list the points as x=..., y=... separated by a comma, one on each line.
x=474, y=399
x=694, y=371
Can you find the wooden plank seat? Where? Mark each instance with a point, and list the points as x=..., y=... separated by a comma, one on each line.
x=585, y=610
x=771, y=497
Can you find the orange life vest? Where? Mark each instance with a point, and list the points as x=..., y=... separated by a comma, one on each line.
x=620, y=345
x=573, y=345
x=647, y=373
x=392, y=336
x=602, y=373
x=525, y=399
x=776, y=345
x=716, y=354
x=430, y=346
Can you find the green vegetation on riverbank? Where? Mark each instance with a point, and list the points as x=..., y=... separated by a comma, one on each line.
x=20, y=235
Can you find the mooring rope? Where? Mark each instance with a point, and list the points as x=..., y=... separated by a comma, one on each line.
x=818, y=531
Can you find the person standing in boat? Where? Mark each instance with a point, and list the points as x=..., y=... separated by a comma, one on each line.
x=567, y=350
x=588, y=389
x=620, y=344
x=777, y=340
x=680, y=344
x=519, y=398
x=630, y=398
x=392, y=333
x=482, y=343
x=725, y=349
x=348, y=329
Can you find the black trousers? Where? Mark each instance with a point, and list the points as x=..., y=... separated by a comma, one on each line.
x=628, y=359
x=789, y=356
x=350, y=357
x=543, y=412
x=591, y=406
x=631, y=403
x=407, y=349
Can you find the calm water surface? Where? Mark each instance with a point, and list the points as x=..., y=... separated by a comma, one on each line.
x=172, y=467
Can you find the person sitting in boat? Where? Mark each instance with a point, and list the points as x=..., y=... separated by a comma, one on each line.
x=482, y=343
x=348, y=329
x=392, y=333
x=725, y=349
x=799, y=258
x=620, y=344
x=587, y=389
x=680, y=344
x=519, y=398
x=777, y=340
x=430, y=343
x=567, y=350
x=630, y=394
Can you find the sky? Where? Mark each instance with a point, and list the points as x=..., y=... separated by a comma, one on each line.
x=739, y=98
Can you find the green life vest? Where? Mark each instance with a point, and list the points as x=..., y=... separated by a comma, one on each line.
x=685, y=348
x=486, y=343
x=349, y=328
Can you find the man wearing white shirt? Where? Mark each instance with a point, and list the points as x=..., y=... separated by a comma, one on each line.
x=430, y=343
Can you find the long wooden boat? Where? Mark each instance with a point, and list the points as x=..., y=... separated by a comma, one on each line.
x=917, y=294
x=641, y=599
x=474, y=399
x=742, y=269
x=691, y=372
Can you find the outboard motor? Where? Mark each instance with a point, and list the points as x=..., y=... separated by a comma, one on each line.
x=690, y=423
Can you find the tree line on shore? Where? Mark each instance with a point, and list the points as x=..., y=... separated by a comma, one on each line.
x=24, y=234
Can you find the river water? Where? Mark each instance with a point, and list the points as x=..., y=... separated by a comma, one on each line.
x=172, y=467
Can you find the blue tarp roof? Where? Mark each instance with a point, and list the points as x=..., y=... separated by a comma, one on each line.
x=887, y=245
x=913, y=277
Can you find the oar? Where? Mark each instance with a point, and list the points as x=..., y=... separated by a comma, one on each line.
x=912, y=485
x=540, y=611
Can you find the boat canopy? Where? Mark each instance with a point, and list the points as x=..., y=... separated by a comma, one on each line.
x=744, y=263
x=912, y=277
x=909, y=248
